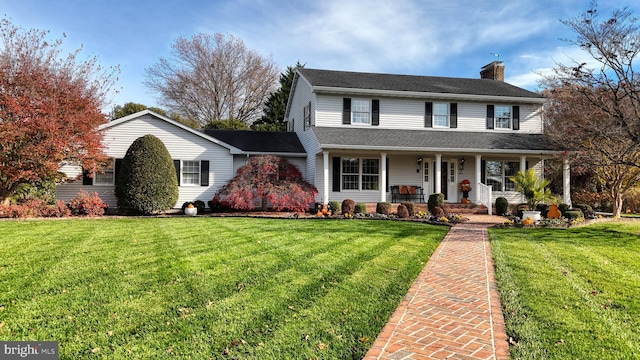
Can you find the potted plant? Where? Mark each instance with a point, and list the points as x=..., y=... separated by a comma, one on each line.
x=190, y=210
x=533, y=189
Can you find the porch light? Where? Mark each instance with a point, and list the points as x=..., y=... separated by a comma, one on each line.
x=419, y=162
x=462, y=164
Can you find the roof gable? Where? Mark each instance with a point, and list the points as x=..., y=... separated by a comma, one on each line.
x=412, y=83
x=140, y=114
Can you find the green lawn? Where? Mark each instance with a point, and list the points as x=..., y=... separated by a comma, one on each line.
x=207, y=287
x=570, y=294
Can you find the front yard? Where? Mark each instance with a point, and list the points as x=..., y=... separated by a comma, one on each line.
x=570, y=294
x=207, y=287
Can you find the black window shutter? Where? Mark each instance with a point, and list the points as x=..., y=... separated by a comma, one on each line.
x=483, y=170
x=204, y=173
x=387, y=177
x=428, y=114
x=346, y=111
x=117, y=168
x=336, y=175
x=453, y=116
x=86, y=178
x=516, y=117
x=375, y=112
x=176, y=164
x=490, y=116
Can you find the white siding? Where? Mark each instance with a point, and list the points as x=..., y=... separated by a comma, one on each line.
x=408, y=114
x=181, y=144
x=302, y=96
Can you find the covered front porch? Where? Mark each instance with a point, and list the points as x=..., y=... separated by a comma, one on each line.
x=370, y=176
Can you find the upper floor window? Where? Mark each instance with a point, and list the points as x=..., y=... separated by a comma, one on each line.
x=503, y=117
x=440, y=115
x=360, y=111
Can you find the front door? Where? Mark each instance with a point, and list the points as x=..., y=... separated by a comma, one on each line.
x=444, y=179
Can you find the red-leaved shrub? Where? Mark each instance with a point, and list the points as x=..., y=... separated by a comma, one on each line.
x=87, y=204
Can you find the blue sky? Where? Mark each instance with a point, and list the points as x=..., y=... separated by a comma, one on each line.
x=419, y=37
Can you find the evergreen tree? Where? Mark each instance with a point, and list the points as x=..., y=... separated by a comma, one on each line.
x=276, y=105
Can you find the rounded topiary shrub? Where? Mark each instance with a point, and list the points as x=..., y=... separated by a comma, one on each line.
x=348, y=206
x=573, y=214
x=147, y=182
x=502, y=206
x=564, y=208
x=411, y=208
x=435, y=200
x=383, y=208
x=200, y=205
x=403, y=213
x=334, y=206
x=360, y=208
x=587, y=210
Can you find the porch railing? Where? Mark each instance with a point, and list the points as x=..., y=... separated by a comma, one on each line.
x=485, y=196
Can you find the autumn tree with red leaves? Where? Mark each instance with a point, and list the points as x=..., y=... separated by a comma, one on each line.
x=49, y=108
x=267, y=180
x=594, y=108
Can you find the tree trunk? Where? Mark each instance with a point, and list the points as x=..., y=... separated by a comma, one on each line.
x=617, y=205
x=264, y=202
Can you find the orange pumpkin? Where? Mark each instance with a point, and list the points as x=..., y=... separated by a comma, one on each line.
x=324, y=211
x=190, y=206
x=528, y=221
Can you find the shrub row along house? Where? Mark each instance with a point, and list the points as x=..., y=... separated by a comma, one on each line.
x=362, y=136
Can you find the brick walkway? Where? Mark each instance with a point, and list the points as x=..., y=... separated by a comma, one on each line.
x=452, y=310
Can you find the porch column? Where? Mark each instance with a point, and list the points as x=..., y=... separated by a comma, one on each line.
x=566, y=182
x=325, y=168
x=438, y=174
x=383, y=177
x=478, y=176
x=523, y=163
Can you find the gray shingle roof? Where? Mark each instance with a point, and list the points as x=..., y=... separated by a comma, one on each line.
x=366, y=138
x=259, y=141
x=427, y=84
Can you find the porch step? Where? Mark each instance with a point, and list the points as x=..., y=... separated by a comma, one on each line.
x=460, y=208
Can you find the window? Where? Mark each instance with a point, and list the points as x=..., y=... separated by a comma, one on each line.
x=360, y=174
x=350, y=174
x=498, y=174
x=360, y=112
x=307, y=116
x=190, y=173
x=370, y=174
x=503, y=117
x=426, y=171
x=106, y=178
x=440, y=115
x=452, y=172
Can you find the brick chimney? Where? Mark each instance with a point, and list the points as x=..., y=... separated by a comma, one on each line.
x=494, y=71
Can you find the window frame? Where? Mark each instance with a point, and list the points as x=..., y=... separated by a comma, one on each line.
x=354, y=111
x=436, y=115
x=111, y=170
x=183, y=181
x=365, y=177
x=506, y=185
x=497, y=118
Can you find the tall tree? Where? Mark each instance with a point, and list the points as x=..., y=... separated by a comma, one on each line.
x=129, y=108
x=49, y=108
x=594, y=110
x=213, y=77
x=276, y=106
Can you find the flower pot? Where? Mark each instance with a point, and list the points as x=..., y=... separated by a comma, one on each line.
x=534, y=215
x=193, y=211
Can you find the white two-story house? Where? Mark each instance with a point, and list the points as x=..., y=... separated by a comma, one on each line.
x=366, y=133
